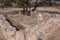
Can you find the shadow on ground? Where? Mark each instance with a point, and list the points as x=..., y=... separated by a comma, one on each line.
x=54, y=12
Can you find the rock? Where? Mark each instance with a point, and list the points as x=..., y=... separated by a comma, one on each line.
x=47, y=16
x=20, y=35
x=40, y=17
x=20, y=27
x=7, y=30
x=2, y=37
x=10, y=31
x=11, y=39
x=31, y=36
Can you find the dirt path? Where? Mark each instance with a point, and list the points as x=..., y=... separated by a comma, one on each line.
x=38, y=8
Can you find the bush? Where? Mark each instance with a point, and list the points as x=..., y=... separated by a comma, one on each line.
x=8, y=2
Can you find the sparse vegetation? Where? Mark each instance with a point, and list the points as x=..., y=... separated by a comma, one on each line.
x=21, y=3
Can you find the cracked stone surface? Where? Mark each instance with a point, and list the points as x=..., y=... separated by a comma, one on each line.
x=41, y=26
